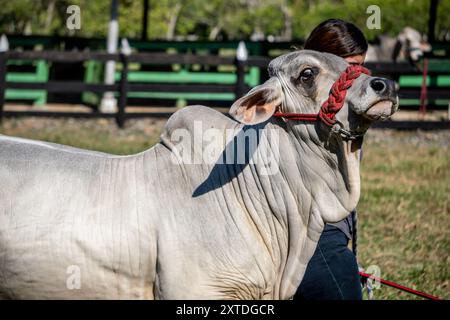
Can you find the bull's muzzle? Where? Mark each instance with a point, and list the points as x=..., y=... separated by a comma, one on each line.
x=387, y=103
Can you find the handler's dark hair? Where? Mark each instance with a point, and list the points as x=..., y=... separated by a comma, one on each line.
x=338, y=37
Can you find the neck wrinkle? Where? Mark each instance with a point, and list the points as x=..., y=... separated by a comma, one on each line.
x=331, y=163
x=304, y=151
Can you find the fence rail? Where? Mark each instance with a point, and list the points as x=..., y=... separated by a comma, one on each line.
x=123, y=86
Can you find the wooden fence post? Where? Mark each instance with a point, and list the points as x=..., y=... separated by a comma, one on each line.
x=123, y=91
x=241, y=62
x=3, y=58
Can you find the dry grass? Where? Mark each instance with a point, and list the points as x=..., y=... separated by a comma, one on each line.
x=403, y=213
x=404, y=210
x=99, y=134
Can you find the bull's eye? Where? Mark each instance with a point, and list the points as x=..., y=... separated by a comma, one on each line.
x=306, y=75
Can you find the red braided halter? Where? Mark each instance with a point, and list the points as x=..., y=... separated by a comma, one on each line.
x=335, y=99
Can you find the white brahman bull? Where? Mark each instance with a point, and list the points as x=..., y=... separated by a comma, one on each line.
x=170, y=223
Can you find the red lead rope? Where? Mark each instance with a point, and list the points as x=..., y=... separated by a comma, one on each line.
x=335, y=99
x=399, y=287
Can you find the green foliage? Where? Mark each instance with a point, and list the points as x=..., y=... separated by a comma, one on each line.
x=215, y=19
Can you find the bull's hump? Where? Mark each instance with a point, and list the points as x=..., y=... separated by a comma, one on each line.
x=196, y=116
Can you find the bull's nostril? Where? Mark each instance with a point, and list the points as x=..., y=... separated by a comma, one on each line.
x=378, y=85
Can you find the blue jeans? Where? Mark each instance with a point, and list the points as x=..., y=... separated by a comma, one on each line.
x=332, y=272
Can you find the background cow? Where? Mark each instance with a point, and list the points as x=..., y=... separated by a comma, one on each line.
x=409, y=45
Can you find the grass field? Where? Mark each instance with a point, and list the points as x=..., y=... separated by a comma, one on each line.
x=404, y=211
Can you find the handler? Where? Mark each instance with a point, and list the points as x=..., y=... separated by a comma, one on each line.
x=332, y=272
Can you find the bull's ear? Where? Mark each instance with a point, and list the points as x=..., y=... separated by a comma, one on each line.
x=259, y=104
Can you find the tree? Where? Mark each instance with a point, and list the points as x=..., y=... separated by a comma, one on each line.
x=215, y=19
